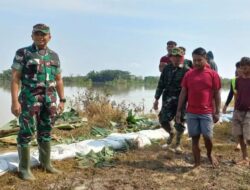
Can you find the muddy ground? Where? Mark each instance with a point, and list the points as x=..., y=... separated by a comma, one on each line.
x=148, y=168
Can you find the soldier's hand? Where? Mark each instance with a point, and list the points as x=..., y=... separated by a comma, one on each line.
x=16, y=109
x=60, y=107
x=178, y=117
x=155, y=105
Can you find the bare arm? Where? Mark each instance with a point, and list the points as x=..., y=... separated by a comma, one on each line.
x=60, y=91
x=15, y=81
x=181, y=101
x=59, y=86
x=229, y=99
x=217, y=101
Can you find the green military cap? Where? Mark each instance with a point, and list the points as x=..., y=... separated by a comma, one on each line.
x=177, y=51
x=41, y=28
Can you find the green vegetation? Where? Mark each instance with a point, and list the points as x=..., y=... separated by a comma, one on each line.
x=225, y=82
x=151, y=80
x=5, y=75
x=5, y=78
x=76, y=81
x=109, y=77
x=94, y=77
x=103, y=158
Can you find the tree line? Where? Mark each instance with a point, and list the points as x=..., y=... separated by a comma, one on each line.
x=105, y=76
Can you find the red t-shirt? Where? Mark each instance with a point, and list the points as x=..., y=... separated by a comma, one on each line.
x=207, y=66
x=164, y=61
x=200, y=85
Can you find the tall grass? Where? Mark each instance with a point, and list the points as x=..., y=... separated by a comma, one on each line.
x=98, y=108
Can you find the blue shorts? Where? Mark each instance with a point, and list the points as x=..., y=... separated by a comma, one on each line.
x=200, y=124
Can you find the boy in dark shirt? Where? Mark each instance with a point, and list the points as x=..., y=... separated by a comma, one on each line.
x=232, y=93
x=241, y=117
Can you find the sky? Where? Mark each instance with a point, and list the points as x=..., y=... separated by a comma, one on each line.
x=128, y=35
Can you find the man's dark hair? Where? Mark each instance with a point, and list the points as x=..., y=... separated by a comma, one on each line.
x=210, y=55
x=245, y=61
x=172, y=43
x=237, y=65
x=200, y=51
x=181, y=47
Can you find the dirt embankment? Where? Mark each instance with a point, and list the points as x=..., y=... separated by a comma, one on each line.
x=149, y=168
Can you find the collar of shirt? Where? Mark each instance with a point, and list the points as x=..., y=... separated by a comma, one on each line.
x=40, y=51
x=179, y=66
x=37, y=49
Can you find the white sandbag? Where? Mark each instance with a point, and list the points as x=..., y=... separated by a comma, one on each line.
x=118, y=140
x=121, y=136
x=155, y=134
x=226, y=117
x=9, y=161
x=86, y=146
x=12, y=160
x=142, y=141
x=58, y=152
x=3, y=166
x=116, y=144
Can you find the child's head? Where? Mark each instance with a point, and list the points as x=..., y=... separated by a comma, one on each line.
x=238, y=71
x=245, y=65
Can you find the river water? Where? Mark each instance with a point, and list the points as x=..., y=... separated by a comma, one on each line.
x=138, y=95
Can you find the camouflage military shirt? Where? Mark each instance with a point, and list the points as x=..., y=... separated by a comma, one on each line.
x=38, y=69
x=170, y=81
x=170, y=85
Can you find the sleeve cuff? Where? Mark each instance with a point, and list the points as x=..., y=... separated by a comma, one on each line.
x=17, y=66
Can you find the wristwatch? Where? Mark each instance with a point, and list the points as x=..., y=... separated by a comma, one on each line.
x=63, y=100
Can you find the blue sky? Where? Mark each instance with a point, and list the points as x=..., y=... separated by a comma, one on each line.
x=128, y=35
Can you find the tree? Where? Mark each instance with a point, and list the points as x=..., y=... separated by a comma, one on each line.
x=108, y=75
x=6, y=75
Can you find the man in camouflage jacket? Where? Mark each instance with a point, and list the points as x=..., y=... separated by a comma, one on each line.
x=38, y=69
x=169, y=86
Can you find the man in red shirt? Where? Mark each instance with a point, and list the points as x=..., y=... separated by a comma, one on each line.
x=166, y=58
x=200, y=86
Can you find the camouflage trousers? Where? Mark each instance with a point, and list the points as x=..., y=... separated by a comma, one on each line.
x=37, y=118
x=168, y=112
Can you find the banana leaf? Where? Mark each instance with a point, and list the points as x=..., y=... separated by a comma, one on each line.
x=104, y=158
x=10, y=125
x=11, y=140
x=4, y=133
x=132, y=118
x=70, y=115
x=99, y=132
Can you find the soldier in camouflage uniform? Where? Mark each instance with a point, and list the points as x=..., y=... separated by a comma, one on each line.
x=188, y=63
x=38, y=69
x=169, y=86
